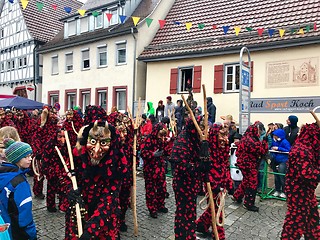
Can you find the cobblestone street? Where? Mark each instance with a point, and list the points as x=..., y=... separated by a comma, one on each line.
x=239, y=224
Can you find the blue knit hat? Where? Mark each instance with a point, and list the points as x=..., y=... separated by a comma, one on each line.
x=15, y=151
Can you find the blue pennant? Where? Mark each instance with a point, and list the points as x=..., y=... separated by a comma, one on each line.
x=270, y=32
x=68, y=9
x=225, y=29
x=122, y=18
x=11, y=1
x=176, y=22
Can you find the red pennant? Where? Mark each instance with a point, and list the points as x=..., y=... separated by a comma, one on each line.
x=315, y=26
x=54, y=6
x=109, y=16
x=214, y=27
x=260, y=31
x=162, y=23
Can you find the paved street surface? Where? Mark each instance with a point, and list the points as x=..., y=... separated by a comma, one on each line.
x=239, y=224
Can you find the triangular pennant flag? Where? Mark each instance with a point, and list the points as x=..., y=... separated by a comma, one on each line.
x=54, y=7
x=176, y=23
x=11, y=1
x=109, y=16
x=149, y=21
x=281, y=32
x=24, y=4
x=162, y=23
x=260, y=31
x=270, y=32
x=214, y=27
x=82, y=12
x=201, y=26
x=68, y=9
x=135, y=20
x=315, y=26
x=122, y=18
x=237, y=30
x=225, y=29
x=301, y=31
x=95, y=13
x=308, y=28
x=293, y=30
x=249, y=29
x=188, y=26
x=39, y=6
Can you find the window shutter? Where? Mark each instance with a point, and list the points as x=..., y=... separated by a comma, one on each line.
x=197, y=79
x=173, y=80
x=218, y=79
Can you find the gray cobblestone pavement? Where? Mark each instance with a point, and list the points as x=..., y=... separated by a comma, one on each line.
x=239, y=224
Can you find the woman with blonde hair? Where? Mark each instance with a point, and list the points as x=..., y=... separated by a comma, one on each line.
x=7, y=132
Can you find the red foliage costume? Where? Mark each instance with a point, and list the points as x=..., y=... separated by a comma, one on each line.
x=99, y=167
x=302, y=178
x=218, y=175
x=72, y=116
x=4, y=121
x=249, y=152
x=23, y=126
x=152, y=152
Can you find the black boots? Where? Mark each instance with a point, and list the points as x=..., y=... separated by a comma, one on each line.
x=251, y=208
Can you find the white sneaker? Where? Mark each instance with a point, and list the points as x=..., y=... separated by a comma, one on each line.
x=276, y=194
x=283, y=195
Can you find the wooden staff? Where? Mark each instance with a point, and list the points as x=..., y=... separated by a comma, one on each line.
x=204, y=136
x=75, y=131
x=172, y=122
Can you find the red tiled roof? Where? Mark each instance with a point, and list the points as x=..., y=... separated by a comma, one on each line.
x=44, y=25
x=174, y=41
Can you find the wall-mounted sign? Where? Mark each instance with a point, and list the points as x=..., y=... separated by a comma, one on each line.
x=284, y=104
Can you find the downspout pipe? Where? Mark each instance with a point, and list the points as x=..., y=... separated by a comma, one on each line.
x=134, y=70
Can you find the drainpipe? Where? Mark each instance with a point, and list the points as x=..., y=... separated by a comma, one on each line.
x=34, y=69
x=134, y=70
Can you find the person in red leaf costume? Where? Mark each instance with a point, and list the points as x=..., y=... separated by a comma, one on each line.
x=125, y=128
x=249, y=152
x=44, y=131
x=186, y=180
x=93, y=113
x=99, y=167
x=218, y=174
x=4, y=121
x=302, y=178
x=152, y=152
x=72, y=118
x=23, y=125
x=57, y=180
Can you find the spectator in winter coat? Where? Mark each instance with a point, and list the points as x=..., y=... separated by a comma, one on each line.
x=169, y=107
x=150, y=109
x=15, y=193
x=179, y=114
x=281, y=144
x=211, y=108
x=292, y=129
x=160, y=111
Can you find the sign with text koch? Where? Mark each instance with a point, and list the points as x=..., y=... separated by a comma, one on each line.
x=284, y=104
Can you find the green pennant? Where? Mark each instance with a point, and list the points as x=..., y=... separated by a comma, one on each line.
x=293, y=31
x=201, y=26
x=249, y=29
x=308, y=28
x=149, y=21
x=39, y=6
x=95, y=13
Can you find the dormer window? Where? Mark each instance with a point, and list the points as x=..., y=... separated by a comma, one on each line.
x=98, y=21
x=84, y=24
x=115, y=17
x=72, y=29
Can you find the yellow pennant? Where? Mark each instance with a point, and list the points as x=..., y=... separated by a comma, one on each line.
x=82, y=12
x=135, y=20
x=188, y=26
x=301, y=31
x=24, y=4
x=237, y=30
x=281, y=32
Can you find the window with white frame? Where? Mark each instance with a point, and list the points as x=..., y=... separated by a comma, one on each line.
x=54, y=65
x=115, y=17
x=8, y=65
x=1, y=33
x=86, y=97
x=102, y=98
x=13, y=64
x=2, y=68
x=71, y=100
x=25, y=61
x=185, y=79
x=20, y=62
x=121, y=99
x=54, y=98
x=18, y=26
x=72, y=28
x=69, y=62
x=84, y=24
x=102, y=56
x=231, y=78
x=85, y=59
x=98, y=21
x=121, y=53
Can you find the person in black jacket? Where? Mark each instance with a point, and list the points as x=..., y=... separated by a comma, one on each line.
x=211, y=108
x=292, y=129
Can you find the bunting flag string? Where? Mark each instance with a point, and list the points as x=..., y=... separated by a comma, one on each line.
x=301, y=30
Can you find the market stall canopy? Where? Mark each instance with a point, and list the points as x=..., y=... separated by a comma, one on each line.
x=20, y=103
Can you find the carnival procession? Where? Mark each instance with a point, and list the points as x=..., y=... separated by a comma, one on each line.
x=162, y=119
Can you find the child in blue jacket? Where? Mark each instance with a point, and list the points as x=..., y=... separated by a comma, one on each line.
x=279, y=143
x=15, y=193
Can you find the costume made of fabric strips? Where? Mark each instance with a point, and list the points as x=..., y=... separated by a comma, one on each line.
x=186, y=181
x=4, y=121
x=218, y=174
x=124, y=127
x=58, y=183
x=249, y=153
x=45, y=131
x=23, y=126
x=99, y=165
x=302, y=178
x=72, y=117
x=93, y=113
x=152, y=152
